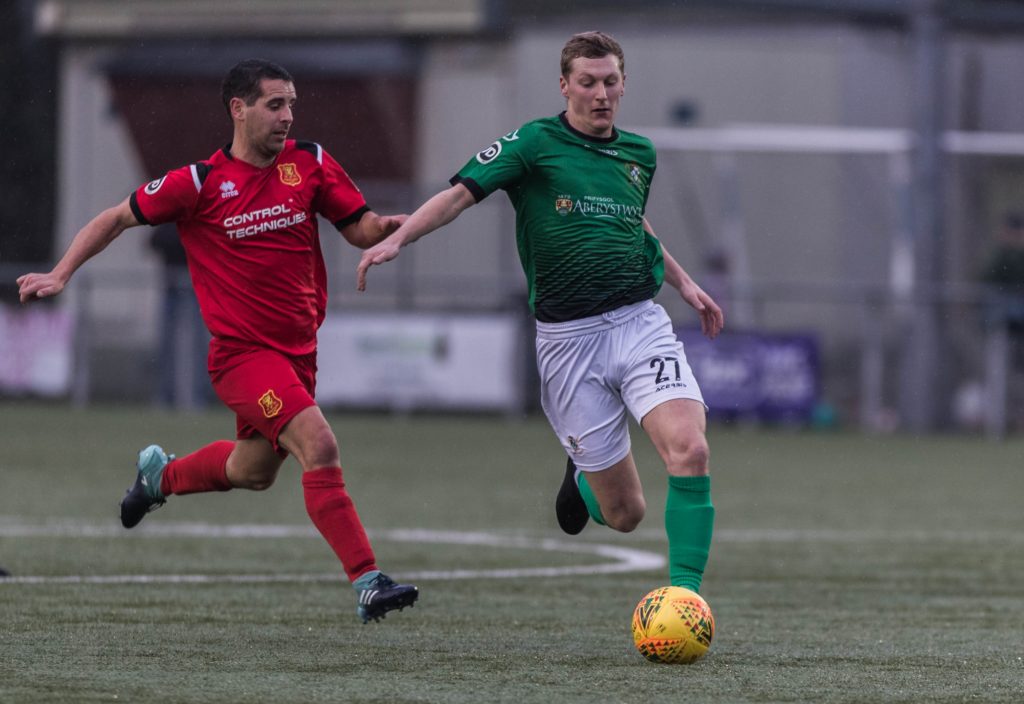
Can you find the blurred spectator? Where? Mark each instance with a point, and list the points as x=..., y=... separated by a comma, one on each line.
x=718, y=277
x=1004, y=272
x=183, y=342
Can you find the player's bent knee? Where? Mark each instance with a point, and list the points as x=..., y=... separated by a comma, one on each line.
x=325, y=451
x=698, y=454
x=255, y=481
x=321, y=450
x=624, y=516
x=690, y=457
x=261, y=484
x=626, y=522
x=310, y=439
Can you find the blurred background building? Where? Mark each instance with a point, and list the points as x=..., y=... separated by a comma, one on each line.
x=835, y=171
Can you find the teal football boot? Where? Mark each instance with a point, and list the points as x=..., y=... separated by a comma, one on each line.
x=145, y=495
x=378, y=594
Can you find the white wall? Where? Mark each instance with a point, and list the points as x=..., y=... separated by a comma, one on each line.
x=98, y=167
x=474, y=92
x=807, y=218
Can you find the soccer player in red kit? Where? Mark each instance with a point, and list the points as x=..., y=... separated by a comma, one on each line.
x=247, y=220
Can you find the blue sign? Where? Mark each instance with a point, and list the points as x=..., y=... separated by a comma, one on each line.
x=762, y=376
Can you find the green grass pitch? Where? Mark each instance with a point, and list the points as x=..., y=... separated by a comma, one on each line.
x=844, y=569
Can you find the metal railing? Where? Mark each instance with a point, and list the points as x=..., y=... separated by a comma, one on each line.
x=861, y=328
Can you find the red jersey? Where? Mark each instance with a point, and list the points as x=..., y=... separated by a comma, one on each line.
x=252, y=240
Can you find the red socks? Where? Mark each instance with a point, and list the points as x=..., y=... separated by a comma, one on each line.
x=203, y=470
x=327, y=502
x=334, y=515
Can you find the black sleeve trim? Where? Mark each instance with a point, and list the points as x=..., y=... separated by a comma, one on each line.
x=353, y=218
x=133, y=202
x=311, y=147
x=202, y=171
x=473, y=186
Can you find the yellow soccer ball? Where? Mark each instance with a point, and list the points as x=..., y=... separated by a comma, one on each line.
x=673, y=625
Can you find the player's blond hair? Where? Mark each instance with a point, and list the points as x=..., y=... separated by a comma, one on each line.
x=590, y=45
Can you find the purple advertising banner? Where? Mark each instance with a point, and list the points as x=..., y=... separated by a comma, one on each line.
x=35, y=350
x=771, y=377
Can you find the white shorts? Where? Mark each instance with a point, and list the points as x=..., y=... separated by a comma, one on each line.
x=593, y=369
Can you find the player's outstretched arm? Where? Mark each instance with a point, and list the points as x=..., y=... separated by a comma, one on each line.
x=371, y=229
x=436, y=212
x=90, y=241
x=711, y=318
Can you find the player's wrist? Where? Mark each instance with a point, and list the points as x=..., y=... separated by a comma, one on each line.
x=61, y=274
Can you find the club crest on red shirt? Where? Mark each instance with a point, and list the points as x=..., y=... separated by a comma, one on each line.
x=289, y=174
x=270, y=404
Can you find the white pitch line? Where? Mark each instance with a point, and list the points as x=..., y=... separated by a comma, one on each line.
x=829, y=535
x=12, y=528
x=621, y=559
x=69, y=529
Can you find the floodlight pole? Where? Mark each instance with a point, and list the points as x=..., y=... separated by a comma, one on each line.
x=920, y=380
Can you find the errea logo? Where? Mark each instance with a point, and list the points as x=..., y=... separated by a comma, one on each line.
x=228, y=190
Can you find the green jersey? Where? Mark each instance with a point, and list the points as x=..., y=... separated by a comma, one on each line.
x=579, y=203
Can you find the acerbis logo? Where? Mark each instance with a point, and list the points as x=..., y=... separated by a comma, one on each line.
x=154, y=186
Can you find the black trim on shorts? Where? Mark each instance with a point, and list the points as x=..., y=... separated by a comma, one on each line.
x=478, y=193
x=353, y=218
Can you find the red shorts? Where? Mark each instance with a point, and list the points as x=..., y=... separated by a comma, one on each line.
x=264, y=388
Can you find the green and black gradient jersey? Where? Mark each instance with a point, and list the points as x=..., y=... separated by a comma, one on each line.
x=579, y=204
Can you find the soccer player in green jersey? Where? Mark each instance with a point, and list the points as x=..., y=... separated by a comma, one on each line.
x=593, y=265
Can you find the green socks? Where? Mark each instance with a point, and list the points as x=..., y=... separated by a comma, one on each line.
x=689, y=521
x=593, y=508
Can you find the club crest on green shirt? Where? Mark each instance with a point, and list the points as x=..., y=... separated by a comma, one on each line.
x=634, y=174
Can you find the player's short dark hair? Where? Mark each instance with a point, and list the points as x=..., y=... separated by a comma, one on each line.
x=243, y=80
x=590, y=45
